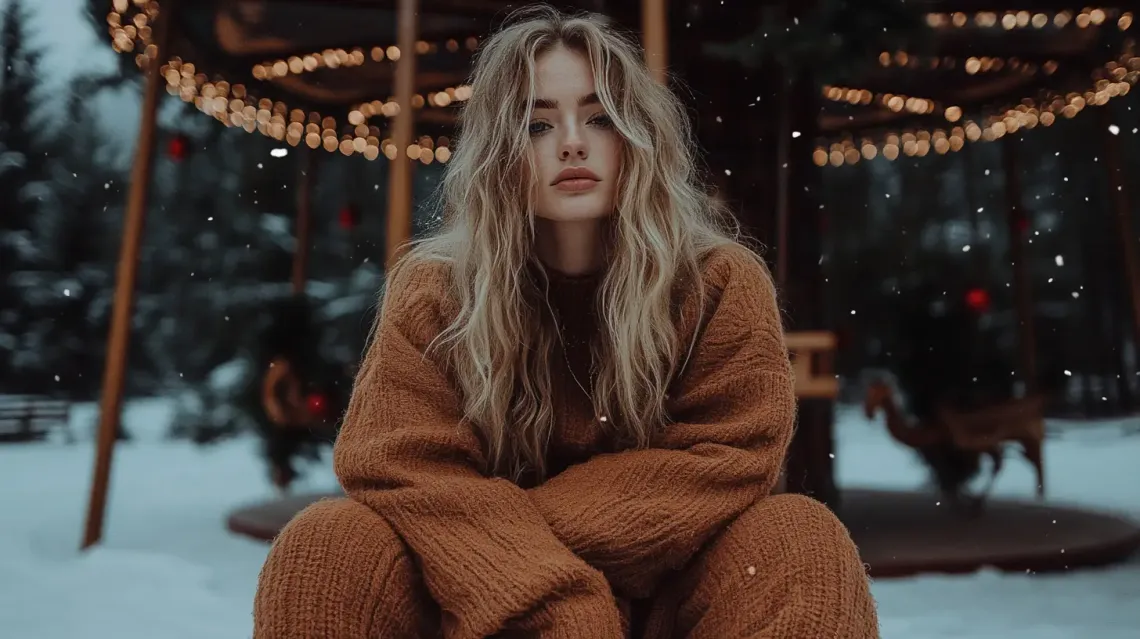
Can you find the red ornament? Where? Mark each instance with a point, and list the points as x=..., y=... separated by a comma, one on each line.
x=178, y=147
x=349, y=217
x=317, y=404
x=978, y=299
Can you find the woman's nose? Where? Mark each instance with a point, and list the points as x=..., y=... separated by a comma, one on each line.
x=573, y=146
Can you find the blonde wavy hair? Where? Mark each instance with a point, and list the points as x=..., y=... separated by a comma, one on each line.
x=500, y=348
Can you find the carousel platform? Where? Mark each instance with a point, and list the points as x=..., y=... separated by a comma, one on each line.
x=904, y=533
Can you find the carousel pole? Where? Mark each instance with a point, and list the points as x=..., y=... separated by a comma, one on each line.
x=783, y=185
x=1123, y=209
x=1022, y=291
x=111, y=403
x=400, y=169
x=655, y=37
x=304, y=221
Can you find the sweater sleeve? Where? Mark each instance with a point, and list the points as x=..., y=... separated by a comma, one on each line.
x=487, y=556
x=636, y=514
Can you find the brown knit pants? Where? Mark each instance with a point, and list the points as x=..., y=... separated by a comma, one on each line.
x=785, y=569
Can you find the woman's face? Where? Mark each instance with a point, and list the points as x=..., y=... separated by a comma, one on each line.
x=574, y=145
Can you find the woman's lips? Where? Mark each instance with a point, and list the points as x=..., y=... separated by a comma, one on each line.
x=574, y=185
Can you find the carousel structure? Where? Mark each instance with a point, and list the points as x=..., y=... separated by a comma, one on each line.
x=991, y=72
x=382, y=79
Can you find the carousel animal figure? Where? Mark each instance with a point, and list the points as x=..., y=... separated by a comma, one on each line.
x=953, y=443
x=298, y=395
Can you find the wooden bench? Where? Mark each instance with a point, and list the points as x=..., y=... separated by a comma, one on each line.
x=26, y=418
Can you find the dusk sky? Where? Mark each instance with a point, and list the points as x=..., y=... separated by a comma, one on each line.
x=69, y=45
x=68, y=42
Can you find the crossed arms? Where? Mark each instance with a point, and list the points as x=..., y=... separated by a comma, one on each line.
x=551, y=559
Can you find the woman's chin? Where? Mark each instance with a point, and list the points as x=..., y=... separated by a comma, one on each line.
x=576, y=214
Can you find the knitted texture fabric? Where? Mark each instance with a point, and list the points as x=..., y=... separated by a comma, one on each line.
x=681, y=539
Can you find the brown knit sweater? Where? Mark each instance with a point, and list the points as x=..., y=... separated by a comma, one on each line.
x=551, y=558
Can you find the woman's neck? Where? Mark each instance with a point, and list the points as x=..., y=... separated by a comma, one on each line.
x=571, y=248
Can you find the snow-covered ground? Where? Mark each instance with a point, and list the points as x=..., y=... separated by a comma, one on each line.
x=169, y=569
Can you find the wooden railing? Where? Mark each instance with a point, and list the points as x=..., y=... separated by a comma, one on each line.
x=813, y=361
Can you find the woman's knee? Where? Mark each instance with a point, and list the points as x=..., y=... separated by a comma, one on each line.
x=787, y=568
x=804, y=532
x=337, y=569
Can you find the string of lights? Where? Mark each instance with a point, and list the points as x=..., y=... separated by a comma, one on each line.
x=1114, y=79
x=235, y=105
x=337, y=58
x=1120, y=76
x=1010, y=20
x=971, y=65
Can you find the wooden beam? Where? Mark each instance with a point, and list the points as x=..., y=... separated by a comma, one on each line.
x=400, y=169
x=1123, y=210
x=118, y=341
x=783, y=164
x=1022, y=286
x=304, y=219
x=655, y=37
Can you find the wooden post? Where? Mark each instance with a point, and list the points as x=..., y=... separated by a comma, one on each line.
x=304, y=220
x=400, y=169
x=118, y=341
x=1023, y=294
x=1119, y=186
x=976, y=239
x=783, y=169
x=813, y=362
x=655, y=37
x=810, y=464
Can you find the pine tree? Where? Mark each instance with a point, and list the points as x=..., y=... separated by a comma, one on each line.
x=22, y=190
x=77, y=256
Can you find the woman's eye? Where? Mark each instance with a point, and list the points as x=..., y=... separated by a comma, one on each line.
x=538, y=127
x=601, y=120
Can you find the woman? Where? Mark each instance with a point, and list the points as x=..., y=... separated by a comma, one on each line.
x=578, y=398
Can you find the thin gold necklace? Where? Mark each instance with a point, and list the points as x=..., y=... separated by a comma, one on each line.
x=566, y=360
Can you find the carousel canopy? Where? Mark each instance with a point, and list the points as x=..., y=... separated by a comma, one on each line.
x=987, y=71
x=314, y=72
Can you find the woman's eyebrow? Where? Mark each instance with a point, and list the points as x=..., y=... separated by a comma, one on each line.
x=546, y=103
